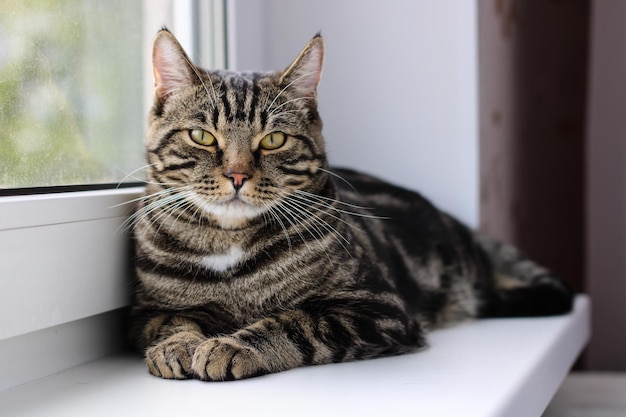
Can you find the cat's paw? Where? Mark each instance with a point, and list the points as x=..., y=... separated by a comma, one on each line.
x=172, y=358
x=225, y=359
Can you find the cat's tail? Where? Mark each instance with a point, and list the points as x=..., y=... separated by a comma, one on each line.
x=521, y=288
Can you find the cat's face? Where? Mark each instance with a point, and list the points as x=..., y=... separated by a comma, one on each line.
x=232, y=147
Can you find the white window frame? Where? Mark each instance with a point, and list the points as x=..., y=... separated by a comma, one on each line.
x=64, y=257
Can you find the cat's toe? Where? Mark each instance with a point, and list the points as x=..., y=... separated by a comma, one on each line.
x=172, y=358
x=225, y=359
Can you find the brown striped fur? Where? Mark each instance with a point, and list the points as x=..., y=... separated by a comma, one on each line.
x=254, y=258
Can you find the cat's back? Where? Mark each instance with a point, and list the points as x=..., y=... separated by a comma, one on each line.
x=377, y=199
x=416, y=248
x=398, y=226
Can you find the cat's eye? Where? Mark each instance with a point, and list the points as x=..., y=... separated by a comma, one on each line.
x=273, y=141
x=202, y=137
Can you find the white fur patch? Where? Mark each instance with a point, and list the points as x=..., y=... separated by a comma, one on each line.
x=228, y=215
x=233, y=211
x=220, y=262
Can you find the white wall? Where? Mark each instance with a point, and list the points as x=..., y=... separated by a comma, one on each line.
x=399, y=90
x=606, y=186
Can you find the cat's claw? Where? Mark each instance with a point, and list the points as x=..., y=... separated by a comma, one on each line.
x=172, y=358
x=225, y=359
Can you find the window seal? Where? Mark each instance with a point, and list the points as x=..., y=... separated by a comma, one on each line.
x=57, y=189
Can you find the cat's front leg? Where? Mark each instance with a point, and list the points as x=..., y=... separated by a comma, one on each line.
x=297, y=338
x=171, y=352
x=227, y=358
x=261, y=348
x=172, y=358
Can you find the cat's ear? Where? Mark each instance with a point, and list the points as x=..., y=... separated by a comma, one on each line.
x=303, y=75
x=171, y=66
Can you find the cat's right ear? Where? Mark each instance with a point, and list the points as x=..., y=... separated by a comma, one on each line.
x=171, y=66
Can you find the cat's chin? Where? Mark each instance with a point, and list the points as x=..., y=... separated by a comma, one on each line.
x=233, y=214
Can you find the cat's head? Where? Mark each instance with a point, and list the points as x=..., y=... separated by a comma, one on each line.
x=233, y=146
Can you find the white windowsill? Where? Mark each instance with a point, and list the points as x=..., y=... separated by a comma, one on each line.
x=487, y=368
x=47, y=209
x=64, y=261
x=64, y=257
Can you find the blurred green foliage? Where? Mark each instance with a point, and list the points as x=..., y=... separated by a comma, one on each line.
x=71, y=91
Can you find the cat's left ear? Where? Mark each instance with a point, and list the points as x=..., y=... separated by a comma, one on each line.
x=171, y=65
x=304, y=74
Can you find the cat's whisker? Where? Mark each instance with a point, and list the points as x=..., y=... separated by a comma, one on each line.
x=136, y=216
x=142, y=180
x=302, y=217
x=142, y=198
x=145, y=197
x=283, y=113
x=179, y=205
x=266, y=217
x=335, y=216
x=161, y=199
x=162, y=184
x=197, y=213
x=312, y=198
x=275, y=215
x=199, y=206
x=308, y=213
x=287, y=87
x=184, y=207
x=286, y=211
x=195, y=70
x=334, y=174
x=332, y=200
x=317, y=220
x=165, y=213
x=289, y=101
x=164, y=192
x=308, y=208
x=131, y=175
x=142, y=214
x=180, y=201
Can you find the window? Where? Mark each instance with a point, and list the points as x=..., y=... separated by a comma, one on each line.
x=75, y=88
x=76, y=85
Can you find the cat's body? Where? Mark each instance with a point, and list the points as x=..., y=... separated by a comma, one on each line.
x=254, y=257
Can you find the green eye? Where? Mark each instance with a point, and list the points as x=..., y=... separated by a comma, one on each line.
x=202, y=137
x=273, y=141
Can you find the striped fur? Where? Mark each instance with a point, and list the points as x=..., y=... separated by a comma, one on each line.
x=252, y=259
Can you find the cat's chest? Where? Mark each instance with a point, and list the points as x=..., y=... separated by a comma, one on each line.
x=248, y=283
x=222, y=262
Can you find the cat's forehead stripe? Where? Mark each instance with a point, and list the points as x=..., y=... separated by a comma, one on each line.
x=254, y=100
x=239, y=97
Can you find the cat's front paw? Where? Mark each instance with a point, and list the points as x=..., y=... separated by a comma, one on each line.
x=225, y=359
x=172, y=358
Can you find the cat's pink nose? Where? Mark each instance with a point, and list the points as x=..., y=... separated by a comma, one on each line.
x=237, y=178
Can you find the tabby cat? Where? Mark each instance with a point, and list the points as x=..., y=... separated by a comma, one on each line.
x=253, y=256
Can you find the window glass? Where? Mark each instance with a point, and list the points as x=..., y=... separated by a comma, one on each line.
x=74, y=90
